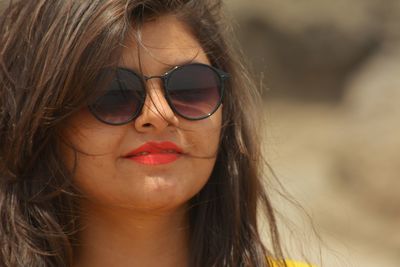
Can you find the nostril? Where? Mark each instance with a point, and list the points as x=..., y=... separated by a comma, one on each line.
x=147, y=125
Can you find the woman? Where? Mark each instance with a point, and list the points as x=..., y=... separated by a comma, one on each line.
x=128, y=138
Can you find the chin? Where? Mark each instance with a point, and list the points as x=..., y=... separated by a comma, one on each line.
x=164, y=194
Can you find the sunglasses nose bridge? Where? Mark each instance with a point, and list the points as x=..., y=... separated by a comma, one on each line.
x=156, y=112
x=162, y=78
x=147, y=78
x=156, y=95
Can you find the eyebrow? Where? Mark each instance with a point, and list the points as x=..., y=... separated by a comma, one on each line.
x=164, y=70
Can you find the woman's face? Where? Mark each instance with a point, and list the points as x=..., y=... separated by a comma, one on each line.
x=104, y=172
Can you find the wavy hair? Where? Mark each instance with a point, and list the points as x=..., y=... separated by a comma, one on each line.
x=51, y=52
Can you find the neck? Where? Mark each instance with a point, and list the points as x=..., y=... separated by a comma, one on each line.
x=123, y=237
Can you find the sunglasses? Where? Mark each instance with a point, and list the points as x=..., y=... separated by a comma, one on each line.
x=193, y=91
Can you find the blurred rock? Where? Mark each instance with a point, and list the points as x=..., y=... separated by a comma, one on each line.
x=308, y=50
x=371, y=158
x=345, y=53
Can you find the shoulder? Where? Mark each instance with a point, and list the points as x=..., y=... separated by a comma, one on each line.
x=298, y=264
x=289, y=263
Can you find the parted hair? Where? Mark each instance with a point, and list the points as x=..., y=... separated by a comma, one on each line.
x=51, y=52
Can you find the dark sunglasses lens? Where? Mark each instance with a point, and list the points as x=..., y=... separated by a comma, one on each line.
x=122, y=99
x=194, y=91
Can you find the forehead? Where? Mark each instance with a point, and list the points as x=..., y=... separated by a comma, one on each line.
x=162, y=43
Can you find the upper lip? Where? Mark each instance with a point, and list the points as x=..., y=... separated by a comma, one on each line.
x=156, y=147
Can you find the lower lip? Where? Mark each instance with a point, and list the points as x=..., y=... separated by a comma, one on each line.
x=155, y=159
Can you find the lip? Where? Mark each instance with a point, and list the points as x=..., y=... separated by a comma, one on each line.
x=155, y=153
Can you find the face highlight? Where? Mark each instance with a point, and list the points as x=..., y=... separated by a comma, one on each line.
x=109, y=172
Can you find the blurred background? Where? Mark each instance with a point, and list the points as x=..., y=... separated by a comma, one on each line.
x=330, y=72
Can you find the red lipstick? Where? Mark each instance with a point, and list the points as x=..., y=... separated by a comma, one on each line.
x=155, y=153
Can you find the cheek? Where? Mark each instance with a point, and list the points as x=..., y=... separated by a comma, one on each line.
x=94, y=177
x=207, y=134
x=91, y=137
x=205, y=144
x=91, y=148
x=94, y=172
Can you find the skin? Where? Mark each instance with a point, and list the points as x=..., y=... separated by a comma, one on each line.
x=135, y=214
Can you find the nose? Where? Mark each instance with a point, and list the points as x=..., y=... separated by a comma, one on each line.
x=156, y=114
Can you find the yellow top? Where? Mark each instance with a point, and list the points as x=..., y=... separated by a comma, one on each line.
x=290, y=263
